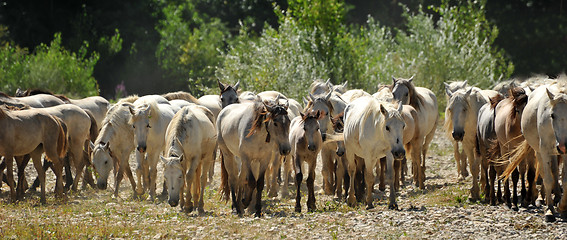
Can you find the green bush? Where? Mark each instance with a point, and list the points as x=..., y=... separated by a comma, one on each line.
x=51, y=68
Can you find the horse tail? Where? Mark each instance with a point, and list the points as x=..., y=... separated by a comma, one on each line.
x=516, y=156
x=62, y=143
x=224, y=187
x=93, y=132
x=336, y=137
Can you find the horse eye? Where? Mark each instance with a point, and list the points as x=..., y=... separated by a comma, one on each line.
x=275, y=124
x=133, y=126
x=106, y=162
x=387, y=128
x=180, y=177
x=552, y=116
x=148, y=126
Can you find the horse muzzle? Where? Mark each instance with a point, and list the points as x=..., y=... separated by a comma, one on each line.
x=458, y=135
x=311, y=147
x=284, y=151
x=141, y=148
x=101, y=185
x=399, y=154
x=173, y=202
x=340, y=152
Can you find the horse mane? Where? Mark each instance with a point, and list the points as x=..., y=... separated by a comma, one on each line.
x=264, y=112
x=117, y=117
x=321, y=99
x=129, y=99
x=35, y=91
x=495, y=100
x=318, y=84
x=180, y=95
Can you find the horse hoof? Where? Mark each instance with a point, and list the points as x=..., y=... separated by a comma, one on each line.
x=258, y=214
x=297, y=209
x=539, y=203
x=515, y=208
x=393, y=206
x=351, y=202
x=369, y=206
x=549, y=218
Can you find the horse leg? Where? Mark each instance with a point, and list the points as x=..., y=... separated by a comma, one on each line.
x=474, y=166
x=340, y=176
x=523, y=190
x=68, y=174
x=390, y=176
x=382, y=185
x=298, y=181
x=117, y=180
x=273, y=178
x=563, y=204
x=549, y=183
x=259, y=189
x=287, y=165
x=556, y=189
x=126, y=166
x=464, y=171
x=10, y=176
x=21, y=162
x=351, y=200
x=139, y=173
x=457, y=155
x=212, y=167
x=419, y=163
x=507, y=194
x=46, y=165
x=58, y=170
x=515, y=178
x=36, y=158
x=206, y=165
x=397, y=172
x=153, y=161
x=369, y=178
x=189, y=180
x=311, y=206
x=492, y=173
x=532, y=190
x=327, y=171
x=488, y=185
x=404, y=171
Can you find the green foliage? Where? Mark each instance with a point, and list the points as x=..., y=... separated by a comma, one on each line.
x=189, y=46
x=283, y=60
x=50, y=67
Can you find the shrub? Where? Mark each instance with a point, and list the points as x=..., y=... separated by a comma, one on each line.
x=51, y=68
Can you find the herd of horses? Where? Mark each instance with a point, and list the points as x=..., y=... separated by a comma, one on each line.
x=517, y=130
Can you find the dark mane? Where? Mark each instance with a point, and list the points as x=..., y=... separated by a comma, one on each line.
x=495, y=100
x=519, y=100
x=36, y=91
x=263, y=113
x=319, y=99
x=338, y=122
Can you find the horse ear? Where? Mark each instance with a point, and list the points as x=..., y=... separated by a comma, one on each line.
x=468, y=93
x=328, y=83
x=91, y=145
x=302, y=115
x=447, y=90
x=383, y=110
x=394, y=80
x=410, y=79
x=465, y=83
x=305, y=102
x=550, y=95
x=106, y=146
x=344, y=84
x=278, y=99
x=236, y=85
x=286, y=106
x=400, y=106
x=221, y=86
x=164, y=160
x=132, y=110
x=312, y=97
x=181, y=158
x=328, y=96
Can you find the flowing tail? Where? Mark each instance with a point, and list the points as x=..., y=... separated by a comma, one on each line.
x=517, y=156
x=93, y=132
x=224, y=188
x=62, y=143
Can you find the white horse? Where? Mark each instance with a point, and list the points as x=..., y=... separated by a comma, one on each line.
x=190, y=142
x=149, y=120
x=373, y=129
x=113, y=146
x=425, y=103
x=461, y=117
x=460, y=156
x=544, y=126
x=250, y=132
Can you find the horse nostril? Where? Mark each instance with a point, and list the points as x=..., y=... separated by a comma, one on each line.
x=141, y=149
x=172, y=203
x=311, y=147
x=101, y=186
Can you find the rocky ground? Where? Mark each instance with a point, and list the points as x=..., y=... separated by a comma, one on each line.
x=442, y=210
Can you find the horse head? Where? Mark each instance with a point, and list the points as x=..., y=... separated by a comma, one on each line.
x=557, y=112
x=393, y=128
x=140, y=121
x=401, y=89
x=339, y=127
x=174, y=176
x=102, y=161
x=228, y=94
x=458, y=110
x=311, y=128
x=277, y=124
